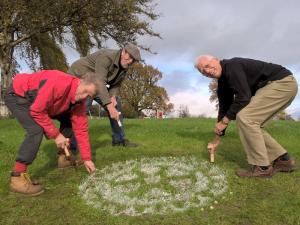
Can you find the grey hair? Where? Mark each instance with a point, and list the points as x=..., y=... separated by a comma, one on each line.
x=200, y=57
x=92, y=78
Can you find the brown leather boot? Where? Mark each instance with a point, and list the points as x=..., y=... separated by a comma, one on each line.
x=284, y=165
x=21, y=183
x=256, y=171
x=64, y=162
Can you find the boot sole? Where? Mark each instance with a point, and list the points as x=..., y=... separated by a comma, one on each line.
x=27, y=195
x=259, y=177
x=263, y=177
x=285, y=170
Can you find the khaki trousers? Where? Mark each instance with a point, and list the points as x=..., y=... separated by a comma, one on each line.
x=260, y=147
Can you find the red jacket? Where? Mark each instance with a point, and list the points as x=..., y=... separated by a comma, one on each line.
x=54, y=92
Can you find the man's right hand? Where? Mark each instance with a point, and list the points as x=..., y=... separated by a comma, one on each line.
x=90, y=166
x=113, y=112
x=61, y=141
x=213, y=145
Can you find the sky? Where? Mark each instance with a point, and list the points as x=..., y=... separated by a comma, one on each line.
x=267, y=30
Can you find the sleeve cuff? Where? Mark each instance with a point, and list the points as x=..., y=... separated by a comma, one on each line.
x=86, y=158
x=53, y=135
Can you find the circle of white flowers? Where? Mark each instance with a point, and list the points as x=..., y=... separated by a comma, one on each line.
x=154, y=186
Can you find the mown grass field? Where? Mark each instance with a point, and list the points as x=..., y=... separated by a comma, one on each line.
x=254, y=201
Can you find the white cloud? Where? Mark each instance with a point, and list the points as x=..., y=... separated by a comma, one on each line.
x=267, y=30
x=198, y=104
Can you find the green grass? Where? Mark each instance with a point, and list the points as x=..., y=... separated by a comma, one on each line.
x=254, y=201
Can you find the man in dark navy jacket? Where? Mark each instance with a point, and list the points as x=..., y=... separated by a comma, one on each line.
x=252, y=92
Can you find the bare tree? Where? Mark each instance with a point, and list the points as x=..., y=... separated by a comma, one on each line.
x=183, y=111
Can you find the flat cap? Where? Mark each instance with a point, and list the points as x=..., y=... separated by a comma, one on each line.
x=133, y=51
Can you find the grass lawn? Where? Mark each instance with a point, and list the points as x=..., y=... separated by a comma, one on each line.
x=254, y=201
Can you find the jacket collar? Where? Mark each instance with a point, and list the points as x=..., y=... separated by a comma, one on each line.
x=117, y=60
x=223, y=66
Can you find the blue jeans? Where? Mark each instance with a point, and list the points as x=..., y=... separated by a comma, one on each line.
x=117, y=131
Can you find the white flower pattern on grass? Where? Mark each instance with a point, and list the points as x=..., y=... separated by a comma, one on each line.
x=154, y=186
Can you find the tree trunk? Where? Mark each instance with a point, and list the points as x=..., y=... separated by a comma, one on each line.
x=6, y=59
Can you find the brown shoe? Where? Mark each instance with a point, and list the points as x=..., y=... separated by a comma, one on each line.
x=280, y=165
x=64, y=162
x=255, y=171
x=21, y=183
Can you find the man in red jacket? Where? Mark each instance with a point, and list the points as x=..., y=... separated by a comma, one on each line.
x=35, y=99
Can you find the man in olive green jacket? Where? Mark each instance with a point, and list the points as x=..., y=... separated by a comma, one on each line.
x=111, y=67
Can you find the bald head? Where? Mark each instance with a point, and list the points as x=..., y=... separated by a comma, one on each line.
x=209, y=66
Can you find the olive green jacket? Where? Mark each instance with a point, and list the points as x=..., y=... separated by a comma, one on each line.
x=105, y=63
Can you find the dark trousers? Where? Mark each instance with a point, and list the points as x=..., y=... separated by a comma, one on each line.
x=117, y=131
x=19, y=107
x=118, y=134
